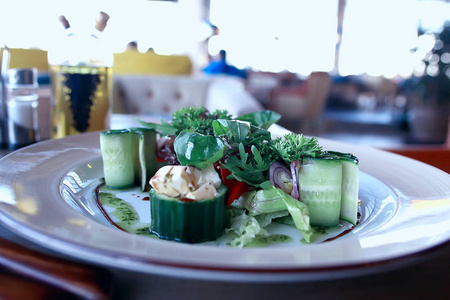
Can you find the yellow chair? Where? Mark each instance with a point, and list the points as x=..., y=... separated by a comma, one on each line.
x=131, y=62
x=28, y=58
x=134, y=62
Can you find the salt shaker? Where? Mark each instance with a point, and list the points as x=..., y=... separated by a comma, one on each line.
x=22, y=107
x=3, y=132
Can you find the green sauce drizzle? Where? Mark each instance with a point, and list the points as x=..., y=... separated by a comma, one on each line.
x=264, y=241
x=127, y=217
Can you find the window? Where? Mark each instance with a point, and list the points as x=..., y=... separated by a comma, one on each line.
x=276, y=35
x=170, y=27
x=378, y=35
x=301, y=36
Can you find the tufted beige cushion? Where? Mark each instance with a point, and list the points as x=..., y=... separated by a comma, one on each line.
x=162, y=95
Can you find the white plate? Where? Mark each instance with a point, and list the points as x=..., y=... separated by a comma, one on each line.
x=46, y=194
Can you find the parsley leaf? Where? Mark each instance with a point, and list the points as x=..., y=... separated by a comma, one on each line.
x=293, y=147
x=195, y=119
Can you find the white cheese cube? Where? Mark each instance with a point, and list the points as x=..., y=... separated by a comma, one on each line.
x=210, y=174
x=204, y=191
x=186, y=182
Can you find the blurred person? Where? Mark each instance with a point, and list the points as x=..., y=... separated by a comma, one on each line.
x=132, y=46
x=220, y=66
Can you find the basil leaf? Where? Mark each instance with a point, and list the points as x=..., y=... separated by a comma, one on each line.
x=262, y=119
x=236, y=131
x=260, y=134
x=164, y=128
x=198, y=150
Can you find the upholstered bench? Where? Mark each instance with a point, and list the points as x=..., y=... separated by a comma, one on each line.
x=155, y=94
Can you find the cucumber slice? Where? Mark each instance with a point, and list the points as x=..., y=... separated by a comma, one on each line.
x=185, y=220
x=145, y=163
x=320, y=187
x=118, y=158
x=350, y=186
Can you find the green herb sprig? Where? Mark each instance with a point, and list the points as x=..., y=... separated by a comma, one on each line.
x=197, y=119
x=194, y=119
x=293, y=146
x=249, y=167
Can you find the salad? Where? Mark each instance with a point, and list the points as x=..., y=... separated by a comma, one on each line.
x=219, y=174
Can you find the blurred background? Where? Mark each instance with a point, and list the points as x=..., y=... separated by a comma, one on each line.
x=383, y=65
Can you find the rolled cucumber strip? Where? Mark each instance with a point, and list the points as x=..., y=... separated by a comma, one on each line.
x=118, y=158
x=187, y=220
x=145, y=162
x=350, y=186
x=320, y=188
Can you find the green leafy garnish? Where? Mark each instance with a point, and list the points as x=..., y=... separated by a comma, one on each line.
x=234, y=131
x=294, y=147
x=198, y=150
x=164, y=128
x=251, y=169
x=197, y=119
x=262, y=119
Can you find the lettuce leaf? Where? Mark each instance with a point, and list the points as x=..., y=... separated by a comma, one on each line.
x=247, y=228
x=265, y=220
x=272, y=199
x=299, y=213
x=265, y=202
x=243, y=201
x=264, y=206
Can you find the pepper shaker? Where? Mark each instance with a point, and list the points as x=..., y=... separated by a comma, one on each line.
x=4, y=65
x=22, y=107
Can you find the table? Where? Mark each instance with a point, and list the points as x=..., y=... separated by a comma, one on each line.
x=420, y=276
x=425, y=276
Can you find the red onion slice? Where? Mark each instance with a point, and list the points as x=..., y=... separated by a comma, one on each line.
x=164, y=145
x=295, y=165
x=280, y=176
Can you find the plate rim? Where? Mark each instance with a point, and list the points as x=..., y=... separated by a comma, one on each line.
x=294, y=271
